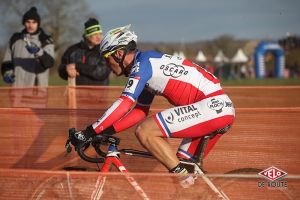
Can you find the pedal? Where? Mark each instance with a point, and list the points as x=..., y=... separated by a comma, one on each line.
x=192, y=167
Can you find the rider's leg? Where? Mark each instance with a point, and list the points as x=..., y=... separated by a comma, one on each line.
x=152, y=139
x=150, y=136
x=190, y=121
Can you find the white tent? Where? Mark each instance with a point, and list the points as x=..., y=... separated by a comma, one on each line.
x=220, y=57
x=181, y=54
x=201, y=57
x=239, y=57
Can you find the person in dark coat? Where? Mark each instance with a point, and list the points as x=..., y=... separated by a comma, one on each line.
x=83, y=61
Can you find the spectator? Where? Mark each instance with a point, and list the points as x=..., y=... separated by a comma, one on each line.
x=83, y=61
x=29, y=55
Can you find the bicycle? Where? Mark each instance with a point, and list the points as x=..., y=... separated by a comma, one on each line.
x=112, y=158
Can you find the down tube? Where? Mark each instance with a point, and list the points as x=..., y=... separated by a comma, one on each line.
x=117, y=162
x=107, y=164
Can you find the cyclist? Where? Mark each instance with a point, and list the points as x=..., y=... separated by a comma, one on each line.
x=200, y=105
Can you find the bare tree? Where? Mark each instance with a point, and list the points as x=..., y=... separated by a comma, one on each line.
x=227, y=43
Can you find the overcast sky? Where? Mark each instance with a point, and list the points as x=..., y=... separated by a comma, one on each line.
x=191, y=20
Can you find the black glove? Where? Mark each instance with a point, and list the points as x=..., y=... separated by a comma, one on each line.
x=82, y=138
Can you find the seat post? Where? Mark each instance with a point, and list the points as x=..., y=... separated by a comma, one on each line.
x=200, y=151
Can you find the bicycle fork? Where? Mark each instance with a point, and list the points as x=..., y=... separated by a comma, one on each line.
x=112, y=157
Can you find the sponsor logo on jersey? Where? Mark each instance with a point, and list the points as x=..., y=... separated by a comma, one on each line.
x=173, y=70
x=182, y=114
x=228, y=104
x=136, y=68
x=216, y=104
x=170, y=119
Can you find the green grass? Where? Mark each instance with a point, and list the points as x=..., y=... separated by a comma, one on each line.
x=55, y=80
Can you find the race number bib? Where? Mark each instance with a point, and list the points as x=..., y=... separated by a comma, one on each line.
x=131, y=85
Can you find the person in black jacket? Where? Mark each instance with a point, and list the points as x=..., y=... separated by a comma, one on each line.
x=29, y=55
x=83, y=61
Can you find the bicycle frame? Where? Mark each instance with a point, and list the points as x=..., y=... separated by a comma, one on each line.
x=113, y=158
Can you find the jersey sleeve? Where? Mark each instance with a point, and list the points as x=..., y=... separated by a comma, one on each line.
x=137, y=114
x=135, y=85
x=113, y=114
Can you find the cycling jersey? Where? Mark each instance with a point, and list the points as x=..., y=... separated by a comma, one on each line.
x=179, y=80
x=200, y=105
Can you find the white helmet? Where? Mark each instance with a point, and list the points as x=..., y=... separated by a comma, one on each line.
x=116, y=38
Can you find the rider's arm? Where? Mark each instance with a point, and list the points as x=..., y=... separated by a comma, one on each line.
x=138, y=113
x=113, y=114
x=132, y=91
x=141, y=72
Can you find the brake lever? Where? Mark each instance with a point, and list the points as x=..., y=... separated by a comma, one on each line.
x=68, y=147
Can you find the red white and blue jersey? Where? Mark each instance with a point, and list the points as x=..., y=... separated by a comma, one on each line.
x=179, y=80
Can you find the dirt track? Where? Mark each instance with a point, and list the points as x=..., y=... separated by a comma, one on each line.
x=82, y=185
x=265, y=133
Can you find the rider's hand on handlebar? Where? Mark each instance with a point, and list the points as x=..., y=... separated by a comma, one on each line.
x=82, y=138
